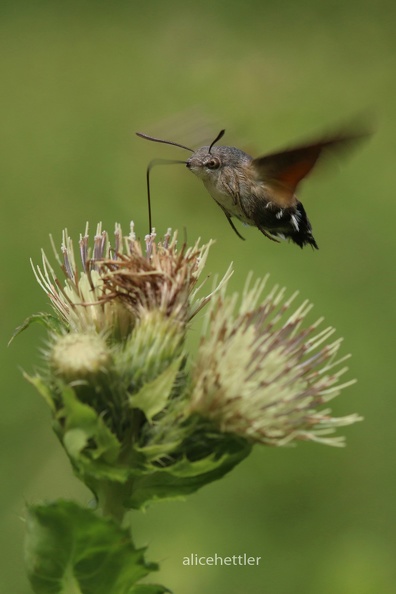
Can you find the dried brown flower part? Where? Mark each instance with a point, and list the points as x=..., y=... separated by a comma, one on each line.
x=164, y=278
x=115, y=284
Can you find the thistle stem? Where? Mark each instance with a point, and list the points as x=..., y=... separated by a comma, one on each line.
x=111, y=497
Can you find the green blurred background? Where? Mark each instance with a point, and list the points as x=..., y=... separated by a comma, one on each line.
x=77, y=79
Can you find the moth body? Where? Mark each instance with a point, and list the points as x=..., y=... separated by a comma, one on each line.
x=230, y=177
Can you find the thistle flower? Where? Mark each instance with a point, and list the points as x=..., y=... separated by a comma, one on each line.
x=164, y=279
x=261, y=376
x=77, y=301
x=114, y=289
x=115, y=376
x=134, y=412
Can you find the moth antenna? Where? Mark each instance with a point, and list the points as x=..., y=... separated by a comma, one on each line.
x=149, y=168
x=220, y=135
x=147, y=137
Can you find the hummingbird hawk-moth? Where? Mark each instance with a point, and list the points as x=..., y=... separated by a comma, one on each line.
x=261, y=191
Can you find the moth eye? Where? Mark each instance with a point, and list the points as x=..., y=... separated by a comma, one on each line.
x=212, y=163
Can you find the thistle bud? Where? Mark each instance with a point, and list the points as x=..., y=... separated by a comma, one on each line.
x=80, y=357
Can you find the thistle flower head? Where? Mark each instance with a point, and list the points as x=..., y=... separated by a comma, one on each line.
x=262, y=376
x=118, y=284
x=164, y=279
x=77, y=299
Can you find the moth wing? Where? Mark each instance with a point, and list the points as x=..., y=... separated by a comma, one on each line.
x=284, y=170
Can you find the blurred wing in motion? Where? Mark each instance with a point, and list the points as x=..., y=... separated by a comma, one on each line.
x=283, y=171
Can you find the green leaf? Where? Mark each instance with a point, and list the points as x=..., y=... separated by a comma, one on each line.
x=42, y=389
x=154, y=396
x=91, y=446
x=51, y=322
x=149, y=589
x=185, y=476
x=69, y=550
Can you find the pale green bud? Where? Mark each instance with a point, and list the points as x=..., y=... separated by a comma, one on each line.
x=80, y=357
